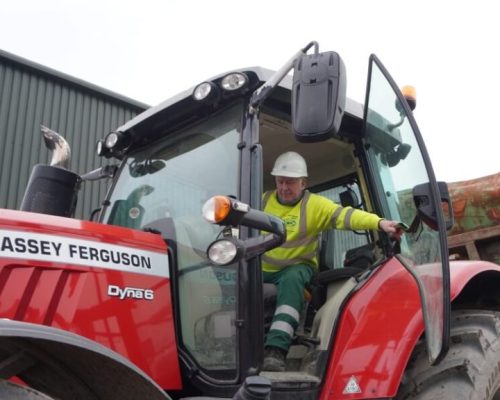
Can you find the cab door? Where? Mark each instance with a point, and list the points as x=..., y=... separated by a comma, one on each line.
x=400, y=171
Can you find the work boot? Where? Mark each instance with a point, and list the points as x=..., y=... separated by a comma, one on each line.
x=274, y=359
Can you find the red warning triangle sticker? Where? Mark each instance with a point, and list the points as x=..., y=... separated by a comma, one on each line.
x=352, y=386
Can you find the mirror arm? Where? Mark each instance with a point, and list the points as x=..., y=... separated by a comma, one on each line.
x=265, y=222
x=256, y=246
x=397, y=124
x=263, y=91
x=107, y=171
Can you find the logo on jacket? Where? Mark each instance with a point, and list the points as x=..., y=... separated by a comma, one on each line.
x=291, y=222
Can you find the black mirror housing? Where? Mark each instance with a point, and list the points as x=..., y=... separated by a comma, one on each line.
x=426, y=211
x=348, y=198
x=318, y=96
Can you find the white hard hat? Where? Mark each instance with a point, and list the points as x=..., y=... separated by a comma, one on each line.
x=291, y=165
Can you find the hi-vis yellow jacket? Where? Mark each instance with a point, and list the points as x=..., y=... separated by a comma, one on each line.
x=304, y=222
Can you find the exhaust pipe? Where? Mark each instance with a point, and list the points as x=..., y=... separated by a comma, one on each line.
x=61, y=152
x=52, y=189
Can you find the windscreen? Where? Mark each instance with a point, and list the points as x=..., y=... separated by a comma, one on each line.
x=171, y=180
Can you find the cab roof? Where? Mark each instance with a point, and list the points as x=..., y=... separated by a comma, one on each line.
x=167, y=109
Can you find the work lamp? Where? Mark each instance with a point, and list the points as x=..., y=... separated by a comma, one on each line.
x=205, y=91
x=234, y=81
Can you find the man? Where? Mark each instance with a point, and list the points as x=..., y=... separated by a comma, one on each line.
x=291, y=266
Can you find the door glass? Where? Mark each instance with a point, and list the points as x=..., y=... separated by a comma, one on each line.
x=397, y=157
x=172, y=180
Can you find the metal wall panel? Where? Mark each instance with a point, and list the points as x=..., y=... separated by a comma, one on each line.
x=32, y=95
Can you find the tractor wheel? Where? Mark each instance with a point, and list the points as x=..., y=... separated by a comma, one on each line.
x=470, y=370
x=12, y=391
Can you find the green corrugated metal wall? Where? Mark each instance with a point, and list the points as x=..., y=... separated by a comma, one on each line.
x=30, y=95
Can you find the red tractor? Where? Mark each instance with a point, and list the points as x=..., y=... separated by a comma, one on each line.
x=154, y=302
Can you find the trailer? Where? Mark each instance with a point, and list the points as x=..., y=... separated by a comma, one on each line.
x=476, y=207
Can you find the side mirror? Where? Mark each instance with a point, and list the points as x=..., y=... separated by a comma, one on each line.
x=318, y=96
x=426, y=211
x=146, y=167
x=395, y=155
x=349, y=198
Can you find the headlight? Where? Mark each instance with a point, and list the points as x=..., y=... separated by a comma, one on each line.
x=234, y=81
x=222, y=252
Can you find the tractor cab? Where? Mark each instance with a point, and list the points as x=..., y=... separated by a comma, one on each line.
x=221, y=138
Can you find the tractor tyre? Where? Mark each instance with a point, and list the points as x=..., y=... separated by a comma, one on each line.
x=13, y=391
x=470, y=370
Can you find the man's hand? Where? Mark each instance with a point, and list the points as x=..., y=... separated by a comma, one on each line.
x=393, y=228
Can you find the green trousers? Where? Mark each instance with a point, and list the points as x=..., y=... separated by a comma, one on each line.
x=290, y=283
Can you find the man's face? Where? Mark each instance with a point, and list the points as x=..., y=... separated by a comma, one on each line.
x=289, y=189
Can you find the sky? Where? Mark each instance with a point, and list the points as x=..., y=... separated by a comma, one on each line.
x=150, y=50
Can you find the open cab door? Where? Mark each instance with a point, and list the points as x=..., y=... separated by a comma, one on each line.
x=406, y=190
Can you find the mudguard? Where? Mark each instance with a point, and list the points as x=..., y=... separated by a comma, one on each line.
x=380, y=326
x=465, y=273
x=68, y=366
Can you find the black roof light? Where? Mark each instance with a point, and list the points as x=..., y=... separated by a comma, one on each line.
x=115, y=141
x=234, y=81
x=206, y=92
x=113, y=144
x=100, y=149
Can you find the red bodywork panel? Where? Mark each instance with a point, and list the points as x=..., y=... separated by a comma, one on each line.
x=462, y=271
x=379, y=329
x=73, y=275
x=376, y=334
